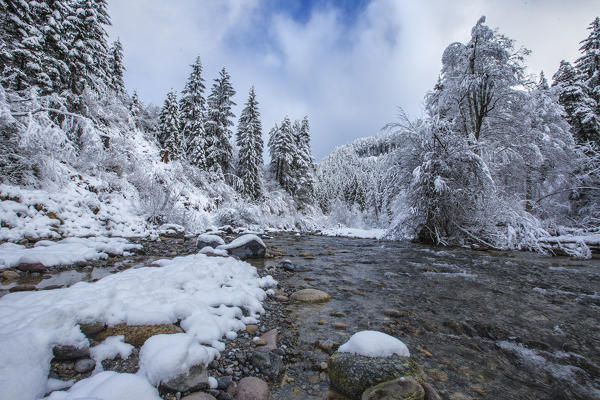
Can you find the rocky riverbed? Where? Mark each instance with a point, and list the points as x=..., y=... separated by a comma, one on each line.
x=481, y=324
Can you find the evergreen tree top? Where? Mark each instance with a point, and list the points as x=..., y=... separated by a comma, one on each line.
x=589, y=63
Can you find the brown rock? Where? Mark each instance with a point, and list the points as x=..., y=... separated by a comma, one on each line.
x=31, y=267
x=10, y=275
x=22, y=288
x=91, y=328
x=430, y=393
x=251, y=328
x=69, y=352
x=310, y=296
x=270, y=339
x=251, y=388
x=137, y=334
x=199, y=396
x=340, y=326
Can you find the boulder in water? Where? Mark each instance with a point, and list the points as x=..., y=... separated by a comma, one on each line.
x=245, y=246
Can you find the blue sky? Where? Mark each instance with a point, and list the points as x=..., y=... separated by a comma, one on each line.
x=348, y=65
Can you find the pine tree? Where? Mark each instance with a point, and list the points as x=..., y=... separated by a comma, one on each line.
x=588, y=67
x=250, y=143
x=282, y=146
x=169, y=125
x=116, y=67
x=219, y=154
x=135, y=108
x=578, y=105
x=303, y=164
x=193, y=114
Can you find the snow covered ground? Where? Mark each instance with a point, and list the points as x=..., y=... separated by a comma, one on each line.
x=64, y=252
x=354, y=232
x=208, y=295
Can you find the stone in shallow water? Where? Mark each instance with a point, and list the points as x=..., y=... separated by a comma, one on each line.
x=251, y=388
x=310, y=296
x=397, y=389
x=351, y=374
x=199, y=396
x=245, y=246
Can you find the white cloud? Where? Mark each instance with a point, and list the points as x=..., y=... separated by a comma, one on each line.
x=349, y=79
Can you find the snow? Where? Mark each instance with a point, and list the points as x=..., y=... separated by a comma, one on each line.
x=212, y=382
x=208, y=238
x=164, y=357
x=213, y=252
x=110, y=348
x=109, y=385
x=64, y=252
x=209, y=295
x=354, y=232
x=241, y=241
x=374, y=344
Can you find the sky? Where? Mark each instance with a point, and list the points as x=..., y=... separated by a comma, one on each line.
x=350, y=65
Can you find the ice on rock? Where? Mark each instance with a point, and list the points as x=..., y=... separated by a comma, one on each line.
x=374, y=344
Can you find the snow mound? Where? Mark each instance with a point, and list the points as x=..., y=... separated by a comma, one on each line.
x=374, y=344
x=208, y=238
x=109, y=385
x=209, y=295
x=213, y=252
x=240, y=241
x=64, y=252
x=163, y=357
x=110, y=348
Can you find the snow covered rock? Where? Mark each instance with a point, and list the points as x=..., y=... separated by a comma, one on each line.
x=246, y=246
x=31, y=267
x=171, y=230
x=205, y=240
x=109, y=385
x=367, y=359
x=310, y=296
x=374, y=344
x=69, y=352
x=397, y=389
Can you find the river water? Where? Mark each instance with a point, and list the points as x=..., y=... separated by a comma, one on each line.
x=509, y=325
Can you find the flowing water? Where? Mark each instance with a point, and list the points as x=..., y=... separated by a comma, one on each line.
x=508, y=325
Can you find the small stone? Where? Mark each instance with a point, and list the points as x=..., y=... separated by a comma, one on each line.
x=327, y=345
x=337, y=314
x=31, y=267
x=340, y=326
x=196, y=378
x=270, y=339
x=84, y=365
x=259, y=342
x=199, y=396
x=10, y=275
x=430, y=393
x=394, y=313
x=397, y=389
x=229, y=371
x=223, y=382
x=322, y=322
x=251, y=388
x=22, y=288
x=69, y=352
x=323, y=366
x=310, y=296
x=282, y=298
x=251, y=328
x=91, y=328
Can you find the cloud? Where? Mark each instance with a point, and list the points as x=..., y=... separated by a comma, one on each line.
x=348, y=75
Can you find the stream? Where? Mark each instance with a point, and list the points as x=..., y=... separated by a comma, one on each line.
x=496, y=325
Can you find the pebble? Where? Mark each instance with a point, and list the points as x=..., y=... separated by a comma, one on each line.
x=251, y=328
x=10, y=275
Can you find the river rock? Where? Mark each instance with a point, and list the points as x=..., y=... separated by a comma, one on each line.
x=70, y=352
x=84, y=365
x=310, y=296
x=251, y=388
x=223, y=382
x=351, y=374
x=136, y=335
x=267, y=361
x=205, y=240
x=22, y=288
x=199, y=396
x=270, y=339
x=246, y=246
x=196, y=378
x=10, y=275
x=31, y=267
x=251, y=328
x=397, y=389
x=430, y=393
x=172, y=231
x=287, y=265
x=91, y=328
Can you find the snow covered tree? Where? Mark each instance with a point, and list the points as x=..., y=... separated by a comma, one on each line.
x=193, y=112
x=219, y=153
x=282, y=146
x=303, y=163
x=169, y=135
x=250, y=144
x=116, y=67
x=574, y=96
x=588, y=67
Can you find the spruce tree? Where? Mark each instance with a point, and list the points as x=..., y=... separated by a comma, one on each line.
x=116, y=68
x=219, y=153
x=304, y=164
x=193, y=112
x=169, y=135
x=250, y=143
x=588, y=67
x=135, y=108
x=282, y=146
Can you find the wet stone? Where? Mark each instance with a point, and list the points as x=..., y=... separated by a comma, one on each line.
x=69, y=352
x=397, y=389
x=310, y=296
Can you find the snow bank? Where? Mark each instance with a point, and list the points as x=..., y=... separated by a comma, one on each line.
x=209, y=295
x=374, y=344
x=354, y=232
x=109, y=385
x=64, y=252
